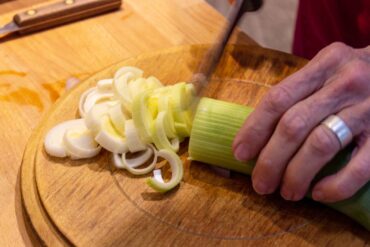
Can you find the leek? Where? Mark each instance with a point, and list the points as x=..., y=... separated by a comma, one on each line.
x=214, y=128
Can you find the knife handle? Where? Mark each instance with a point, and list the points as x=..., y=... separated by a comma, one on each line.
x=62, y=12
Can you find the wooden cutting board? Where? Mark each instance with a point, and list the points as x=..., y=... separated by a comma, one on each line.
x=90, y=203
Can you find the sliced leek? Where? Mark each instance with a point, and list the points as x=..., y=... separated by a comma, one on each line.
x=118, y=117
x=125, y=115
x=80, y=143
x=159, y=134
x=54, y=139
x=109, y=138
x=135, y=163
x=142, y=116
x=134, y=142
x=176, y=168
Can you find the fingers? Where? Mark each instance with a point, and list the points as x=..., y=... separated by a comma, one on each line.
x=294, y=127
x=347, y=181
x=319, y=148
x=260, y=125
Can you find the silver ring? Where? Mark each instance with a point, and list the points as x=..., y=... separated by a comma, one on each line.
x=339, y=128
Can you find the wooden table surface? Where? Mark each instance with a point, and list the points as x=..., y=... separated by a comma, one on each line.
x=34, y=70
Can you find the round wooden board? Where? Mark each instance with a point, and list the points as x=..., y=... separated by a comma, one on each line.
x=89, y=203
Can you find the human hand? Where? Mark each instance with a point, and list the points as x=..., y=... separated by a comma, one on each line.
x=285, y=132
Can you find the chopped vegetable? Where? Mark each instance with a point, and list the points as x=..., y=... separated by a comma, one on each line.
x=76, y=134
x=124, y=115
x=177, y=169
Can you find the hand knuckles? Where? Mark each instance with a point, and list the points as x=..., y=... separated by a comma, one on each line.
x=277, y=100
x=336, y=50
x=293, y=125
x=322, y=142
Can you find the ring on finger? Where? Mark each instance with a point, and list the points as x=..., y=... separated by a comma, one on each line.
x=339, y=128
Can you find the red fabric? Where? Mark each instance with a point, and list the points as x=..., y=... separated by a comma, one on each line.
x=321, y=22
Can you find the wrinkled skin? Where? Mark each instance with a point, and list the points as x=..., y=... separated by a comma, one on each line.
x=285, y=135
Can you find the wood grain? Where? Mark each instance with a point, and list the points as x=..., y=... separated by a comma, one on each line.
x=34, y=70
x=92, y=204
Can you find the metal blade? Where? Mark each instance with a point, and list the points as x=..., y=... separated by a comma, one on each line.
x=9, y=28
x=210, y=61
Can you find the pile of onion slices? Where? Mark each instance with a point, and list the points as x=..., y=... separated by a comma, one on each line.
x=137, y=119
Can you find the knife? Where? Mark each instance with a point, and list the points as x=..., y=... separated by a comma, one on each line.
x=57, y=13
x=200, y=78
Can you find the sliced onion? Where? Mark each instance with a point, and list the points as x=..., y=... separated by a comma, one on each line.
x=131, y=164
x=137, y=86
x=95, y=97
x=81, y=108
x=117, y=117
x=105, y=85
x=93, y=117
x=121, y=161
x=169, y=127
x=140, y=159
x=53, y=142
x=134, y=141
x=80, y=143
x=142, y=117
x=177, y=172
x=126, y=69
x=153, y=82
x=159, y=134
x=120, y=84
x=109, y=138
x=157, y=174
x=178, y=96
x=117, y=161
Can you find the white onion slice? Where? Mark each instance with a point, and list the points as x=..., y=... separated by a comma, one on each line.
x=157, y=174
x=176, y=168
x=105, y=85
x=117, y=161
x=131, y=164
x=94, y=116
x=109, y=138
x=53, y=142
x=95, y=97
x=80, y=143
x=134, y=141
x=81, y=108
x=117, y=117
x=138, y=160
x=126, y=69
x=159, y=134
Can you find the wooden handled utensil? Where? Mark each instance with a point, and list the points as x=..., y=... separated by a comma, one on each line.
x=56, y=14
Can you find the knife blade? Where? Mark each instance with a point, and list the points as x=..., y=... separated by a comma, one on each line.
x=57, y=13
x=209, y=62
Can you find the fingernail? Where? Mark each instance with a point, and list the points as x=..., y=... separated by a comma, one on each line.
x=286, y=194
x=241, y=152
x=261, y=188
x=317, y=195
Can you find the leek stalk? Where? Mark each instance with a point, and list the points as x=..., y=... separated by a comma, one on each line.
x=214, y=128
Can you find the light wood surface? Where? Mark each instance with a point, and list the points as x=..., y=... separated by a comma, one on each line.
x=93, y=204
x=34, y=70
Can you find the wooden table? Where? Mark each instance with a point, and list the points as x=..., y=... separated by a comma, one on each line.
x=34, y=69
